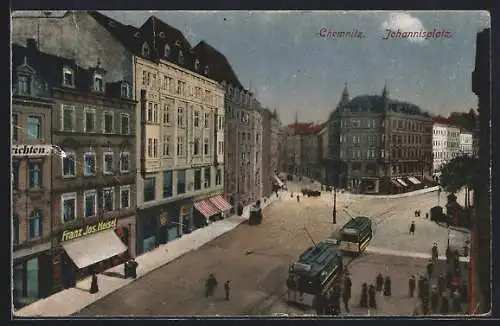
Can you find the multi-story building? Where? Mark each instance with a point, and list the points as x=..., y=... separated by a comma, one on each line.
x=466, y=143
x=324, y=155
x=243, y=131
x=270, y=149
x=379, y=142
x=93, y=181
x=31, y=179
x=439, y=144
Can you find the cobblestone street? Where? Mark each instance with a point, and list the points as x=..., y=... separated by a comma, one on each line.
x=258, y=278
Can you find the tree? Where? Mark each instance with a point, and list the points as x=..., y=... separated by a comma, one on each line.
x=460, y=172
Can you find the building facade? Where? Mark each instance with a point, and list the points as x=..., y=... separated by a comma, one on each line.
x=324, y=154
x=384, y=145
x=31, y=181
x=244, y=181
x=270, y=149
x=439, y=146
x=466, y=143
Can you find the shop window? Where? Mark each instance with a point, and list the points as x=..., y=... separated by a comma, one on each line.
x=181, y=181
x=197, y=179
x=26, y=283
x=167, y=184
x=35, y=224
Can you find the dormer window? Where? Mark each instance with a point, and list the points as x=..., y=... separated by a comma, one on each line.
x=68, y=77
x=162, y=35
x=206, y=70
x=24, y=84
x=145, y=49
x=125, y=90
x=181, y=57
x=98, y=83
x=197, y=65
x=166, y=51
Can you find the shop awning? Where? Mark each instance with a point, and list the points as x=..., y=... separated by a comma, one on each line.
x=278, y=181
x=395, y=183
x=414, y=180
x=205, y=208
x=94, y=248
x=404, y=184
x=221, y=204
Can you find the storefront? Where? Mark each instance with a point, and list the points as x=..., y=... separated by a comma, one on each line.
x=92, y=248
x=32, y=276
x=370, y=185
x=161, y=224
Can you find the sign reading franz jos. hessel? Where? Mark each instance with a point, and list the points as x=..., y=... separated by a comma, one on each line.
x=88, y=230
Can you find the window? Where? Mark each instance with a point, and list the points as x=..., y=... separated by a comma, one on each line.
x=149, y=116
x=181, y=181
x=218, y=177
x=124, y=196
x=34, y=127
x=98, y=83
x=207, y=176
x=68, y=117
x=36, y=224
x=221, y=148
x=35, y=175
x=197, y=179
x=180, y=146
x=180, y=117
x=166, y=51
x=150, y=147
x=155, y=113
x=371, y=140
x=149, y=189
x=68, y=207
x=108, y=203
x=145, y=80
x=125, y=90
x=196, y=118
x=90, y=203
x=108, y=122
x=206, y=70
x=166, y=145
x=68, y=77
x=108, y=167
x=179, y=87
x=355, y=123
x=89, y=123
x=124, y=123
x=15, y=127
x=145, y=50
x=124, y=162
x=15, y=175
x=15, y=227
x=206, y=146
x=166, y=115
x=167, y=184
x=24, y=84
x=355, y=139
x=69, y=165
x=89, y=164
x=206, y=120
x=196, y=146
x=181, y=58
x=197, y=65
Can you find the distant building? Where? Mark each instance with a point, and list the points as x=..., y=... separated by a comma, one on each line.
x=270, y=149
x=466, y=143
x=324, y=154
x=379, y=144
x=445, y=142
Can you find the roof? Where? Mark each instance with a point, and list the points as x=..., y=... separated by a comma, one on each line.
x=444, y=121
x=220, y=68
x=306, y=127
x=357, y=223
x=377, y=103
x=320, y=255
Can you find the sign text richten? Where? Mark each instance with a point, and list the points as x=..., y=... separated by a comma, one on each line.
x=88, y=230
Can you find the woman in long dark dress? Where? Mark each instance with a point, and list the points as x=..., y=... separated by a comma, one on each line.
x=363, y=301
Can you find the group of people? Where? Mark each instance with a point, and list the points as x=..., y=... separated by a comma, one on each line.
x=447, y=293
x=211, y=285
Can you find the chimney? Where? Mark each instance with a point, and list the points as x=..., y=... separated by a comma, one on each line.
x=31, y=45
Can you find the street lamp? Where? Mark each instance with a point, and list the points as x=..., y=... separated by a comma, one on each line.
x=334, y=212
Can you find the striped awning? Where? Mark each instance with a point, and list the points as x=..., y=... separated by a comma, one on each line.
x=414, y=180
x=395, y=183
x=205, y=208
x=278, y=181
x=404, y=184
x=220, y=203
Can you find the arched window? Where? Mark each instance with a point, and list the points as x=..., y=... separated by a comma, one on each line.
x=145, y=49
x=35, y=224
x=197, y=65
x=166, y=51
x=181, y=57
x=15, y=229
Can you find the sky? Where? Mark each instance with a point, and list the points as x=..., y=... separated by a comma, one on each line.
x=289, y=61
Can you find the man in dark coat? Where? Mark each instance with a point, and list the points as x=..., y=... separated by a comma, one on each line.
x=434, y=299
x=412, y=228
x=347, y=285
x=379, y=283
x=420, y=287
x=371, y=296
x=298, y=199
x=346, y=296
x=363, y=300
x=227, y=288
x=411, y=285
x=210, y=285
x=445, y=304
x=430, y=269
x=441, y=283
x=133, y=268
x=387, y=286
x=94, y=288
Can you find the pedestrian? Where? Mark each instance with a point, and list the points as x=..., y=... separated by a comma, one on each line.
x=133, y=268
x=94, y=287
x=445, y=304
x=371, y=296
x=427, y=215
x=363, y=301
x=420, y=287
x=425, y=290
x=411, y=285
x=425, y=306
x=347, y=284
x=418, y=213
x=379, y=282
x=434, y=299
x=227, y=289
x=346, y=296
x=435, y=253
x=210, y=285
x=415, y=213
x=456, y=305
x=298, y=199
x=441, y=283
x=387, y=286
x=412, y=228
x=126, y=269
x=430, y=268
x=463, y=292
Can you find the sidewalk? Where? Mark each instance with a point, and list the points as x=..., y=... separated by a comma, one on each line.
x=70, y=301
x=406, y=194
